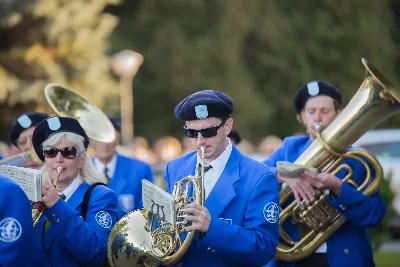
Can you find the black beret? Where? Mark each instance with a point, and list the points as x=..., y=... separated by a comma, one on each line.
x=116, y=123
x=315, y=88
x=53, y=125
x=234, y=134
x=25, y=121
x=204, y=104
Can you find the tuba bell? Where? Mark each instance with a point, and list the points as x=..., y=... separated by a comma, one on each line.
x=375, y=101
x=141, y=239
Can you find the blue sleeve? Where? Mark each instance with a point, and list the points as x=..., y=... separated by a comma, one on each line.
x=363, y=210
x=274, y=157
x=168, y=188
x=86, y=240
x=16, y=226
x=254, y=242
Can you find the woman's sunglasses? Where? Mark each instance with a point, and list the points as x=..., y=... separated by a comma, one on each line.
x=206, y=133
x=68, y=152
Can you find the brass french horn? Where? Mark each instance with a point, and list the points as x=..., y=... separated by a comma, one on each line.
x=374, y=102
x=141, y=239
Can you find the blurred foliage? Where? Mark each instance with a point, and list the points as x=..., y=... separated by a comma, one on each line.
x=258, y=52
x=57, y=41
x=379, y=234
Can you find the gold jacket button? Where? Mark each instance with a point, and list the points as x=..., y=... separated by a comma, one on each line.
x=58, y=220
x=346, y=251
x=213, y=250
x=54, y=215
x=208, y=248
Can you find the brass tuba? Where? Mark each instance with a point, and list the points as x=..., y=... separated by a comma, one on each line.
x=141, y=239
x=375, y=101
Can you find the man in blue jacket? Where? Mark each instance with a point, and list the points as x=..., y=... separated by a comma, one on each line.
x=320, y=102
x=16, y=231
x=240, y=218
x=124, y=174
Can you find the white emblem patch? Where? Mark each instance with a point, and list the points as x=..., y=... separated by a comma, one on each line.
x=313, y=88
x=104, y=219
x=24, y=121
x=271, y=212
x=10, y=230
x=201, y=111
x=54, y=123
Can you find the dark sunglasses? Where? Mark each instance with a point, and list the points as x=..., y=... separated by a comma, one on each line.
x=68, y=152
x=206, y=133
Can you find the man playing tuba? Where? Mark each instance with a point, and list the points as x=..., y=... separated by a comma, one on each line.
x=239, y=221
x=320, y=102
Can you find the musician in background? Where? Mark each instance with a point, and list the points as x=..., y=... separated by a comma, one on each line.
x=234, y=136
x=124, y=174
x=321, y=102
x=66, y=235
x=16, y=232
x=21, y=133
x=240, y=219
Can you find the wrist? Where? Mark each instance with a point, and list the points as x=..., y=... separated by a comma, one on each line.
x=337, y=187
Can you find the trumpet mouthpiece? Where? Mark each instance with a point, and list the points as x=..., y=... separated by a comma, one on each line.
x=60, y=169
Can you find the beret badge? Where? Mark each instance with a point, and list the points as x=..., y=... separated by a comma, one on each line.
x=201, y=111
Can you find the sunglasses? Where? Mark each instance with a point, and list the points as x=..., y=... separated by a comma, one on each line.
x=206, y=133
x=68, y=152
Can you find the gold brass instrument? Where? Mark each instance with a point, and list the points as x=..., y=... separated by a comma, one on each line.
x=20, y=159
x=65, y=102
x=375, y=101
x=68, y=103
x=141, y=239
x=36, y=214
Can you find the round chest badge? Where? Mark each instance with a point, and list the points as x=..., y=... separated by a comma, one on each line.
x=104, y=219
x=271, y=212
x=10, y=230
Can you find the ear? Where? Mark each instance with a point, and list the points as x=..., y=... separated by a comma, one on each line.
x=82, y=159
x=228, y=126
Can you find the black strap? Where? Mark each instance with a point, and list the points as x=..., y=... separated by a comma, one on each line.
x=86, y=199
x=85, y=205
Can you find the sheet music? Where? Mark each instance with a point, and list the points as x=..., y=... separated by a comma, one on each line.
x=30, y=180
x=158, y=201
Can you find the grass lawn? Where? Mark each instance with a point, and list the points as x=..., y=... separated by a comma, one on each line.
x=387, y=259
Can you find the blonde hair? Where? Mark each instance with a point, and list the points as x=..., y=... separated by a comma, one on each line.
x=88, y=172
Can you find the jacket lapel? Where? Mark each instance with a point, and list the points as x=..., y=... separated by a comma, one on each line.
x=120, y=172
x=223, y=191
x=74, y=201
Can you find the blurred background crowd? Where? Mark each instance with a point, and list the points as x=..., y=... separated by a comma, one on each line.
x=258, y=52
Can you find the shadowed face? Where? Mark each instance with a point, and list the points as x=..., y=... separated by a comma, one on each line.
x=318, y=109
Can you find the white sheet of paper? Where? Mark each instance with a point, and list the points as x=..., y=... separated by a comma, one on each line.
x=290, y=170
x=158, y=201
x=30, y=180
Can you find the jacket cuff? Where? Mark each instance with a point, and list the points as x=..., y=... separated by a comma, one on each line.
x=59, y=214
x=344, y=199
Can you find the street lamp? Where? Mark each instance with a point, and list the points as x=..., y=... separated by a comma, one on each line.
x=126, y=64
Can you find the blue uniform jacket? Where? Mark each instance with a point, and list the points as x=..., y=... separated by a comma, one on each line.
x=350, y=245
x=244, y=213
x=16, y=232
x=127, y=183
x=71, y=241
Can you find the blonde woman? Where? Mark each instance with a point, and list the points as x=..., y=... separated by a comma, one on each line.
x=66, y=235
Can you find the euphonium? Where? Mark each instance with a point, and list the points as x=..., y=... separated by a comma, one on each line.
x=375, y=101
x=36, y=214
x=141, y=239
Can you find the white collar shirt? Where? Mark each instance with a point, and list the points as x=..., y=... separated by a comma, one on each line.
x=218, y=165
x=111, y=165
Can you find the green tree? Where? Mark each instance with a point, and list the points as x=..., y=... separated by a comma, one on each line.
x=259, y=52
